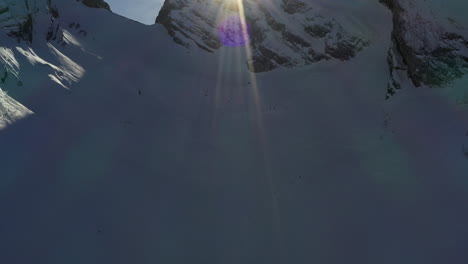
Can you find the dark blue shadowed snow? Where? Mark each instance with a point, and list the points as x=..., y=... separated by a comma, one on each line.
x=144, y=162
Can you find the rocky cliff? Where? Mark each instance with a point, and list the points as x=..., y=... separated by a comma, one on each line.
x=286, y=33
x=427, y=48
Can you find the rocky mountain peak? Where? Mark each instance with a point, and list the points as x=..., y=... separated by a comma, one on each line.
x=286, y=33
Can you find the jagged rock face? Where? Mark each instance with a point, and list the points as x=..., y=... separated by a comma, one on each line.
x=285, y=33
x=16, y=17
x=430, y=50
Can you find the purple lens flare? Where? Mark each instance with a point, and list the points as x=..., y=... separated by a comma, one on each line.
x=231, y=32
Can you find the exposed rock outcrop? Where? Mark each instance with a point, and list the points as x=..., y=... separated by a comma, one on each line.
x=16, y=18
x=96, y=4
x=430, y=50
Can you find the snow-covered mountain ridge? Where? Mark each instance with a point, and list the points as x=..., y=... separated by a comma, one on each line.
x=34, y=34
x=287, y=33
x=431, y=49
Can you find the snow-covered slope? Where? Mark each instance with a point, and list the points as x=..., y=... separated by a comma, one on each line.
x=119, y=146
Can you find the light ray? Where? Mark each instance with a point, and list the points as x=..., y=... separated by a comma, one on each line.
x=259, y=124
x=228, y=29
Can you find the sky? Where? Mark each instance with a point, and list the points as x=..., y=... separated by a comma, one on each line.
x=144, y=11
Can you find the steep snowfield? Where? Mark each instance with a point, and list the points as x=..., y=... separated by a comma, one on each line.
x=131, y=149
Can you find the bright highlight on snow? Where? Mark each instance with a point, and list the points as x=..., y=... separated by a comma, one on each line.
x=11, y=110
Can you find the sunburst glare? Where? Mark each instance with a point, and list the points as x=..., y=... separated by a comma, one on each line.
x=234, y=31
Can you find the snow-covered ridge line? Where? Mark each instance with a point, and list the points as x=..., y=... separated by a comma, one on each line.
x=40, y=43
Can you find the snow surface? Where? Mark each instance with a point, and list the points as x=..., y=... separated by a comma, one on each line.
x=158, y=155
